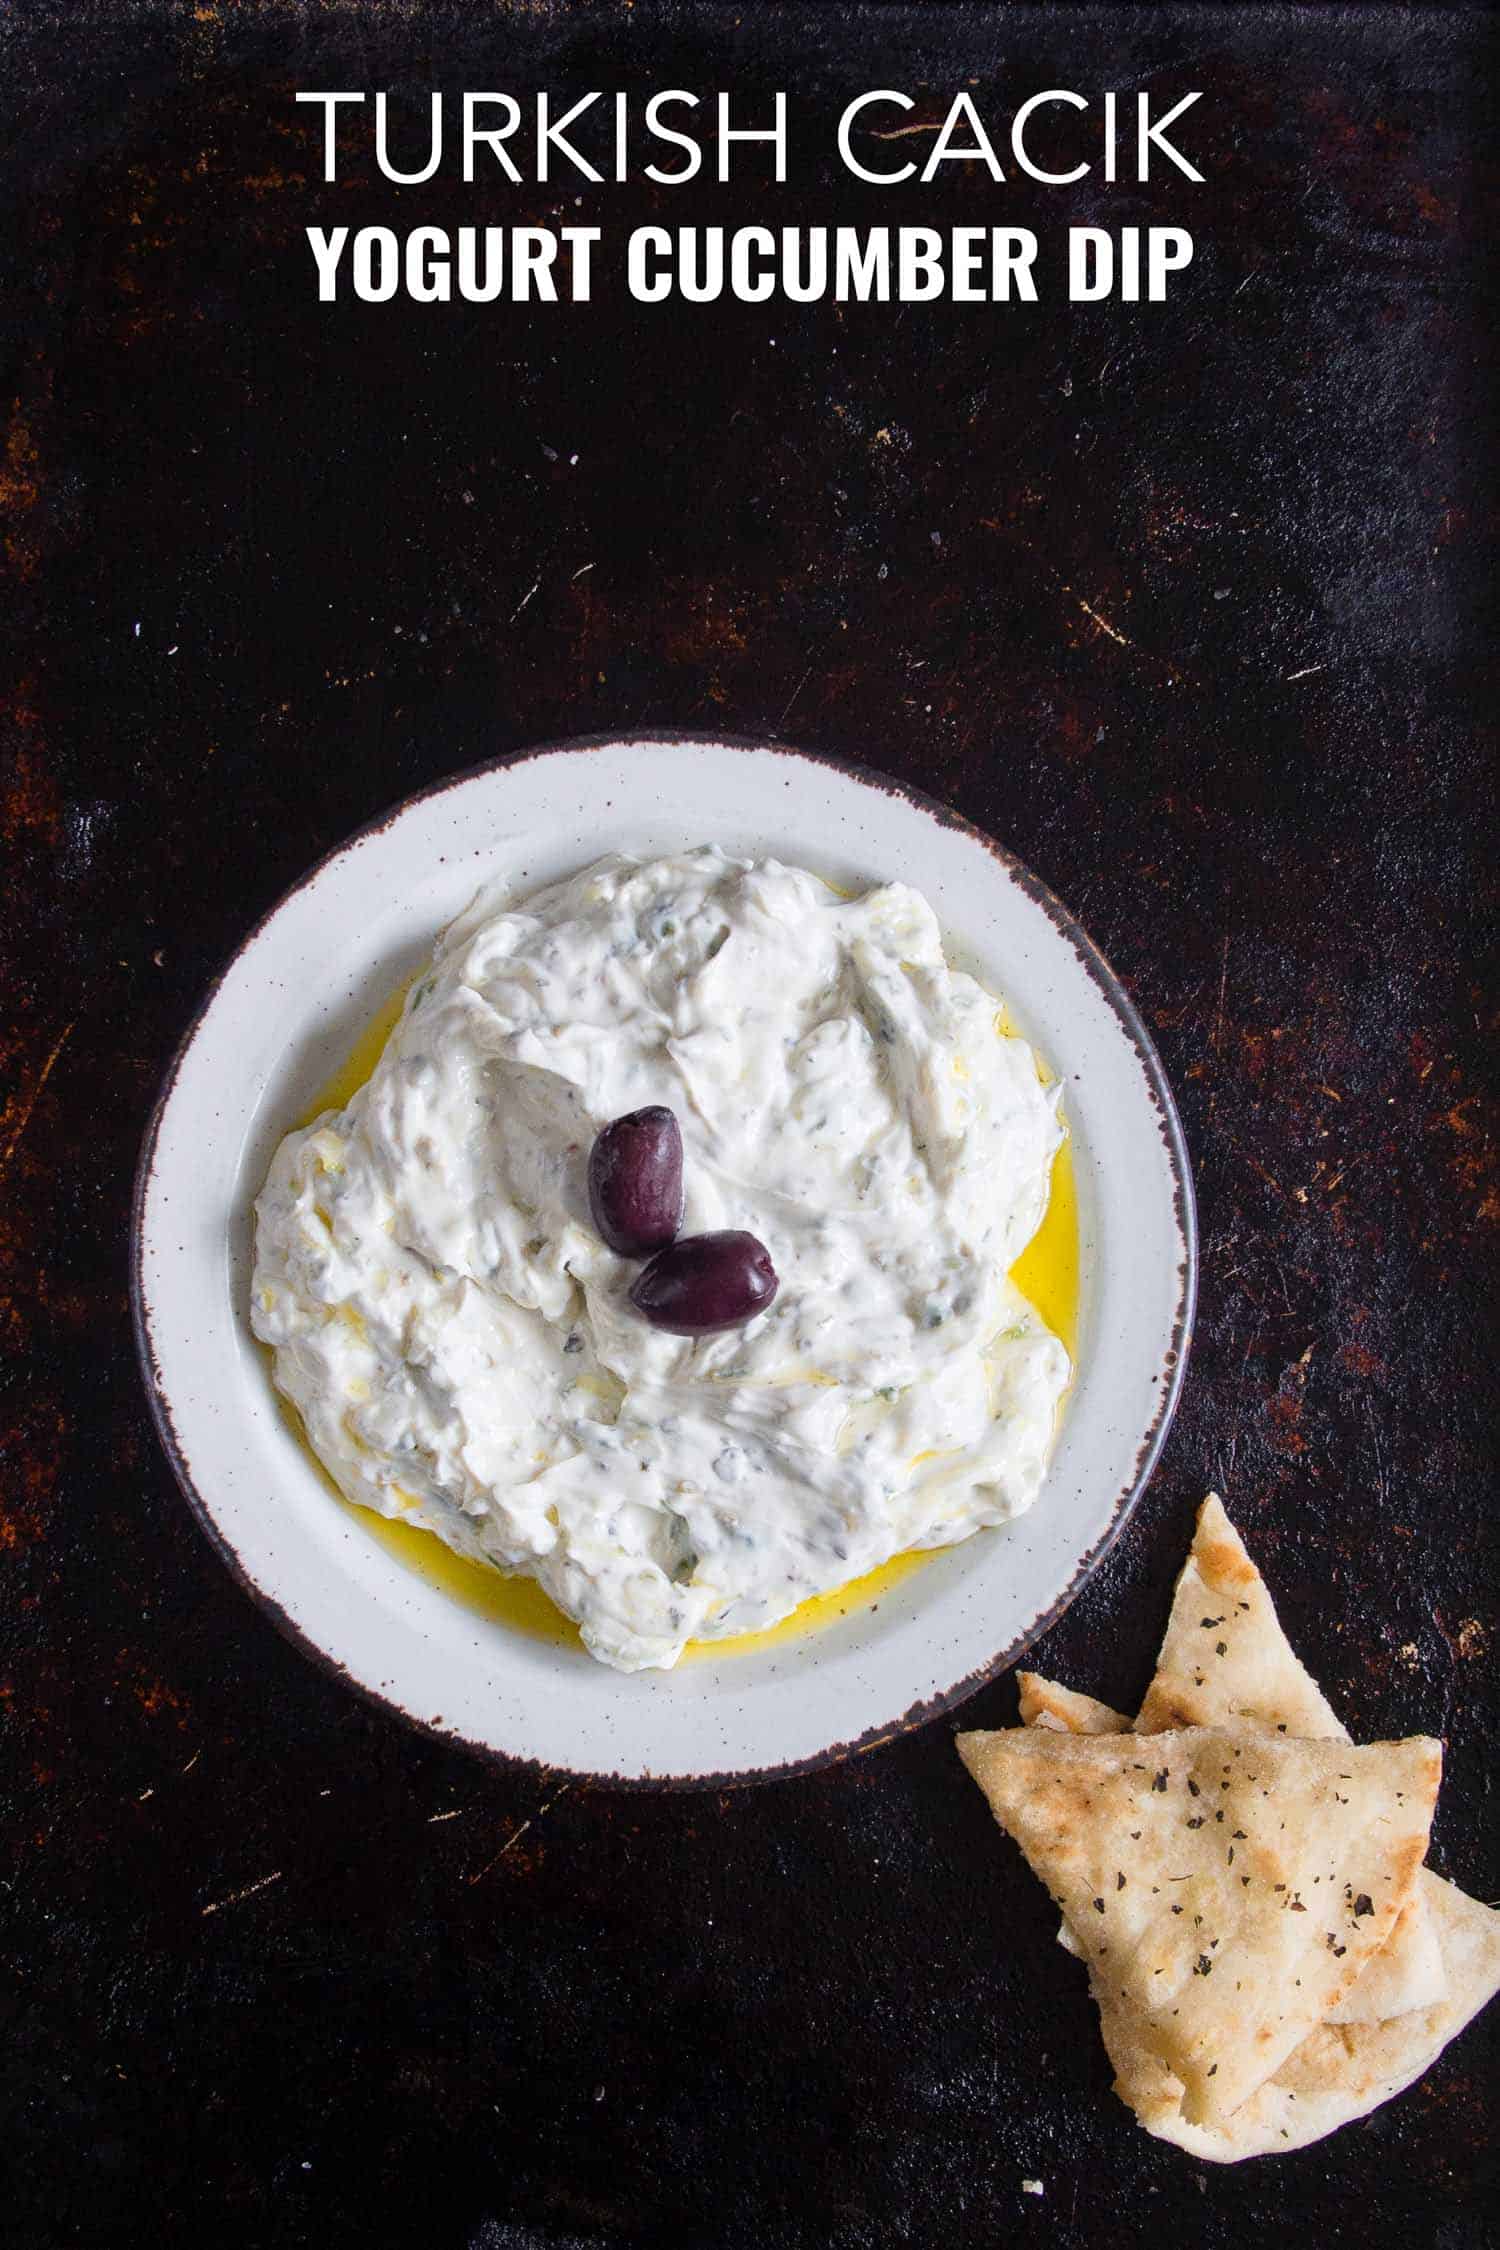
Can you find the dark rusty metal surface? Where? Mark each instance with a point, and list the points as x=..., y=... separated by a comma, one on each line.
x=1185, y=604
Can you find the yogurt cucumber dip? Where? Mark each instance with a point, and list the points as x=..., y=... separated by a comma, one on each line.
x=462, y=1345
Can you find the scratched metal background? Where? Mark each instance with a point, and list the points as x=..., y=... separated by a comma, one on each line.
x=1186, y=604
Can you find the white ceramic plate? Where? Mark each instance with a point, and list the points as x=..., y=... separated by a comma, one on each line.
x=289, y=1008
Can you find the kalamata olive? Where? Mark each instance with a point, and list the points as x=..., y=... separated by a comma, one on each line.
x=706, y=1282
x=635, y=1182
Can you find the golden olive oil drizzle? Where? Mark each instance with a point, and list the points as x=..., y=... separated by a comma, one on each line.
x=1046, y=1273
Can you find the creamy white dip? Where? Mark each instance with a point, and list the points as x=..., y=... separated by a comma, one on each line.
x=460, y=1343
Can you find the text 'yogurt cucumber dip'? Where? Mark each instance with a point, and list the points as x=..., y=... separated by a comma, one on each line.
x=460, y=1340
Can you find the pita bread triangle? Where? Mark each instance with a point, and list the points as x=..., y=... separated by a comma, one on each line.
x=1225, y=1659
x=1046, y=1703
x=1254, y=1677
x=1226, y=1662
x=1402, y=2012
x=1339, y=2073
x=1225, y=1892
x=1353, y=2061
x=1408, y=1972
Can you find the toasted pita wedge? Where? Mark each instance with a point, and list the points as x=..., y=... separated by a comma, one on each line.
x=1226, y=1891
x=1046, y=1703
x=1408, y=1970
x=1338, y=2074
x=1225, y=1662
